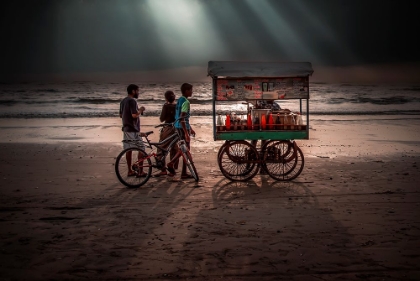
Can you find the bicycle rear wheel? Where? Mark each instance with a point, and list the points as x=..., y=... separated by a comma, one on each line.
x=139, y=164
x=190, y=164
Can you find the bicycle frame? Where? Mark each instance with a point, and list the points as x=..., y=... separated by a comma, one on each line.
x=143, y=161
x=172, y=139
x=175, y=138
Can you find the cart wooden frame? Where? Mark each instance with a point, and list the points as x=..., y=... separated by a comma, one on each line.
x=239, y=159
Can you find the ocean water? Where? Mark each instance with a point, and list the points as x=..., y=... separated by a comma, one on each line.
x=89, y=100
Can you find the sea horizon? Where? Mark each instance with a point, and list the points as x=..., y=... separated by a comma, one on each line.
x=83, y=99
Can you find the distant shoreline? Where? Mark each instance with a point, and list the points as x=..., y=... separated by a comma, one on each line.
x=332, y=137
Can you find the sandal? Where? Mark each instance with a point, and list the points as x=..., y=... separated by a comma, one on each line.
x=131, y=174
x=187, y=177
x=142, y=175
x=160, y=174
x=171, y=171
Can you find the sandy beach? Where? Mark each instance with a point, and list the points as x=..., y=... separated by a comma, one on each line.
x=351, y=215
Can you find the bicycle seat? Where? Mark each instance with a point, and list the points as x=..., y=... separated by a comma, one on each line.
x=164, y=125
x=148, y=133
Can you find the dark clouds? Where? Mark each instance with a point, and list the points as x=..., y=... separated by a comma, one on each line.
x=67, y=36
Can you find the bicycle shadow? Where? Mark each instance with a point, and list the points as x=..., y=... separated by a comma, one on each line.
x=127, y=226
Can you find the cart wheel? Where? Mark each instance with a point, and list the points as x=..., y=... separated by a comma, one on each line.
x=279, y=149
x=223, y=147
x=283, y=160
x=238, y=160
x=226, y=143
x=271, y=152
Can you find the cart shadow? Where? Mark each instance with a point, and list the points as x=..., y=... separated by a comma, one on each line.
x=227, y=190
x=264, y=228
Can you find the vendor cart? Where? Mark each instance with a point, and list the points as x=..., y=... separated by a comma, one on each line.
x=260, y=101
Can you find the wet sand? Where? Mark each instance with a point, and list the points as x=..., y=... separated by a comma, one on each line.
x=351, y=215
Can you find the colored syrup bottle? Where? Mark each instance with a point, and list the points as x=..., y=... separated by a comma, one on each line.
x=263, y=122
x=300, y=120
x=256, y=125
x=278, y=122
x=270, y=121
x=227, y=122
x=219, y=122
x=249, y=121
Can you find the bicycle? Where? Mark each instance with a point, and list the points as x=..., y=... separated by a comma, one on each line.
x=144, y=164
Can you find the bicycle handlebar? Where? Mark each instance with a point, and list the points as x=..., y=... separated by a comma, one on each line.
x=163, y=125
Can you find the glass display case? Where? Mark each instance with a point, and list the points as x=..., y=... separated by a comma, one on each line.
x=251, y=101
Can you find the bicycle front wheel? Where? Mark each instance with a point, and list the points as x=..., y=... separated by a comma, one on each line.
x=190, y=164
x=132, y=167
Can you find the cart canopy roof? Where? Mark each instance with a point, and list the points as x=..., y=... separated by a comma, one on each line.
x=238, y=69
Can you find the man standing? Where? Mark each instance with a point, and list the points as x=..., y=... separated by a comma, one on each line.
x=130, y=113
x=182, y=115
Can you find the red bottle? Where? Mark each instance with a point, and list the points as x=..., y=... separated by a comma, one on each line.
x=278, y=122
x=263, y=122
x=249, y=122
x=227, y=122
x=270, y=121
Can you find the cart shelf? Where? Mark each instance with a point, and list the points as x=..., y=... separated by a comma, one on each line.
x=262, y=135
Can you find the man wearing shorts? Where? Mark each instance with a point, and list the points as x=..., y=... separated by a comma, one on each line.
x=130, y=113
x=182, y=115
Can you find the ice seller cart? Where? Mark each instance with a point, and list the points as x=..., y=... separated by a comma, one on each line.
x=258, y=85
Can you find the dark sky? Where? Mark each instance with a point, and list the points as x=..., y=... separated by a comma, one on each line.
x=112, y=36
